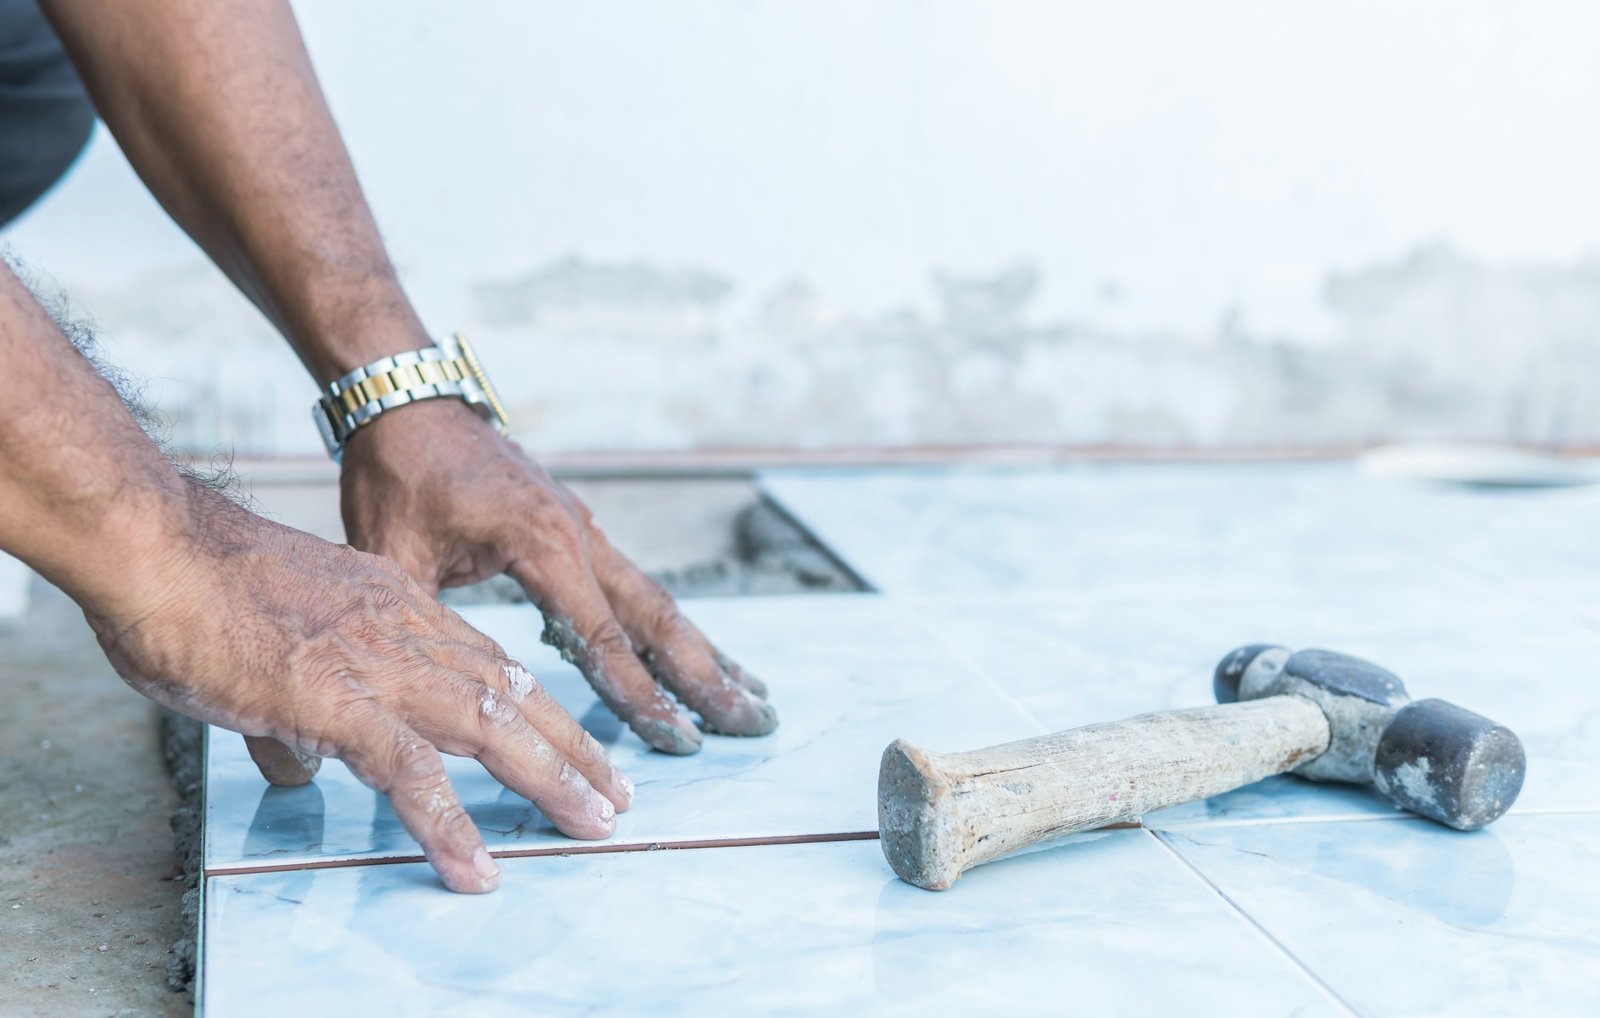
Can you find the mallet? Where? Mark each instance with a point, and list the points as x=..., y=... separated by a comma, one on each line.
x=1315, y=713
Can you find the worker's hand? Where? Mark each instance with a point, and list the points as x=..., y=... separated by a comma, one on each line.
x=435, y=488
x=334, y=652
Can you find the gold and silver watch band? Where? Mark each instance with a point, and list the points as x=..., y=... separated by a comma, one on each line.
x=449, y=369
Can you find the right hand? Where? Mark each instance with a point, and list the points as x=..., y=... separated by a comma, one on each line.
x=276, y=634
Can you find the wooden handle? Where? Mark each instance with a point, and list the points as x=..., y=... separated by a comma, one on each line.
x=940, y=814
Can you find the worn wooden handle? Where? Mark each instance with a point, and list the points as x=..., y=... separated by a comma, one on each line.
x=940, y=814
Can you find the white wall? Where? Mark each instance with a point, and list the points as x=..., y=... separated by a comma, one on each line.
x=762, y=223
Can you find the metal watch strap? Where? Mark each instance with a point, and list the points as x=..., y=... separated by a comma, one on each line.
x=449, y=369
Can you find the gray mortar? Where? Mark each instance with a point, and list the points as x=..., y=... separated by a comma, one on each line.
x=182, y=744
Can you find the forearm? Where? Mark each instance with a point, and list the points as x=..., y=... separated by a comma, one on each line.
x=217, y=107
x=85, y=497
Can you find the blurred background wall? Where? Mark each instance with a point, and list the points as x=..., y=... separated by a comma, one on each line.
x=725, y=223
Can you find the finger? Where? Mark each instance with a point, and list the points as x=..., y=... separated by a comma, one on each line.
x=678, y=654
x=463, y=717
x=579, y=624
x=540, y=709
x=281, y=764
x=739, y=675
x=461, y=631
x=395, y=761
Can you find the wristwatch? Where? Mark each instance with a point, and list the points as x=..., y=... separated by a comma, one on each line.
x=449, y=368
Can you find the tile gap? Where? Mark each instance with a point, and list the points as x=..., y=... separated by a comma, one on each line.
x=1358, y=818
x=968, y=662
x=533, y=853
x=1354, y=818
x=1247, y=917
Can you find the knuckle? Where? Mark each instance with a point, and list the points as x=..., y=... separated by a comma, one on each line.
x=454, y=817
x=413, y=765
x=662, y=615
x=590, y=751
x=559, y=530
x=609, y=638
x=382, y=600
x=324, y=675
x=497, y=712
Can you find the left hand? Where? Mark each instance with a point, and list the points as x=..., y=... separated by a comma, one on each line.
x=435, y=488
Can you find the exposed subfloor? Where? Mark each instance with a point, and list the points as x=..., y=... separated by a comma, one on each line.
x=90, y=889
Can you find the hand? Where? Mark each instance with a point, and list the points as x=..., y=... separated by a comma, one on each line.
x=274, y=633
x=435, y=488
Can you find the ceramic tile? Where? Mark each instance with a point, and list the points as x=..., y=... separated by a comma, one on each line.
x=848, y=675
x=1109, y=923
x=1070, y=664
x=1541, y=542
x=1098, y=531
x=1405, y=917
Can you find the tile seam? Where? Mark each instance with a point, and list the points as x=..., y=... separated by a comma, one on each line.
x=230, y=869
x=965, y=660
x=1255, y=924
x=1358, y=818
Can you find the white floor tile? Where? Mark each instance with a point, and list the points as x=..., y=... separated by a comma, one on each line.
x=848, y=675
x=1405, y=917
x=1109, y=924
x=1123, y=530
x=1486, y=649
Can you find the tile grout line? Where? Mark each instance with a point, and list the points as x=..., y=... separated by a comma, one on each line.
x=1255, y=924
x=356, y=862
x=1507, y=585
x=961, y=658
x=1354, y=818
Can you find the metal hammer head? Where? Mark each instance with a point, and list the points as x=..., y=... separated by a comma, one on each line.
x=1429, y=757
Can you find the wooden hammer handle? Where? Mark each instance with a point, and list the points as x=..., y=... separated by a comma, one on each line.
x=942, y=813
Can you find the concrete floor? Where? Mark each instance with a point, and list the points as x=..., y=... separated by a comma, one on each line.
x=89, y=885
x=90, y=889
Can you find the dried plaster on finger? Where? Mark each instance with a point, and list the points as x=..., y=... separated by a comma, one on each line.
x=656, y=731
x=520, y=680
x=495, y=707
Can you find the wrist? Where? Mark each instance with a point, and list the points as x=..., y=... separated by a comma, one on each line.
x=403, y=431
x=356, y=323
x=131, y=555
x=448, y=370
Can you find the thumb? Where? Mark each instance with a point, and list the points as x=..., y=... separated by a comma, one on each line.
x=281, y=764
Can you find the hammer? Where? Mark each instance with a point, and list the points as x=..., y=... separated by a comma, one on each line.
x=1325, y=716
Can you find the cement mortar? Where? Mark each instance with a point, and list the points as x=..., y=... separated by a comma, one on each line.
x=768, y=554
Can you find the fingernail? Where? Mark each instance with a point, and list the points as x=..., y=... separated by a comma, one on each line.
x=624, y=783
x=667, y=737
x=749, y=715
x=763, y=710
x=753, y=684
x=608, y=812
x=487, y=871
